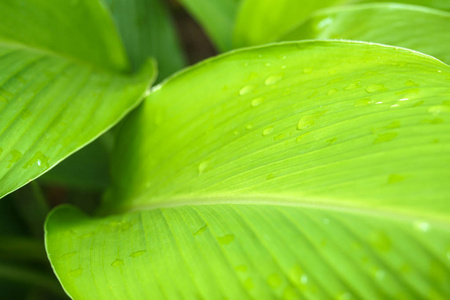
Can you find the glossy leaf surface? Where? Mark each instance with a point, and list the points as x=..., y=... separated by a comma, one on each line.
x=300, y=170
x=408, y=26
x=217, y=18
x=57, y=91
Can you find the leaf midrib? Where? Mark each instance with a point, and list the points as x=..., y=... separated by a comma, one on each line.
x=439, y=220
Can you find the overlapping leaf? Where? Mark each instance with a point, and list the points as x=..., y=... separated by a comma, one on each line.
x=408, y=26
x=263, y=21
x=217, y=18
x=299, y=170
x=147, y=30
x=60, y=85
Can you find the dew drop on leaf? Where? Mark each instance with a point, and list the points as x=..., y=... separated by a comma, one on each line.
x=385, y=137
x=226, y=239
x=267, y=131
x=117, y=263
x=201, y=230
x=375, y=88
x=256, y=102
x=39, y=159
x=362, y=102
x=246, y=89
x=272, y=79
x=15, y=156
x=138, y=253
x=202, y=167
x=394, y=178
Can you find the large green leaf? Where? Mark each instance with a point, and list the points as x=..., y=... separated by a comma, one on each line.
x=408, y=26
x=60, y=85
x=297, y=170
x=438, y=4
x=217, y=18
x=147, y=30
x=263, y=21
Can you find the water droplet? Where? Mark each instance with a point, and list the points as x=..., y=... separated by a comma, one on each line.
x=202, y=167
x=241, y=268
x=235, y=132
x=267, y=131
x=270, y=176
x=394, y=105
x=411, y=83
x=68, y=255
x=279, y=137
x=332, y=92
x=331, y=141
x=326, y=221
x=274, y=280
x=25, y=114
x=422, y=226
x=226, y=239
x=246, y=89
x=117, y=263
x=283, y=67
x=308, y=121
x=394, y=178
x=272, y=79
x=304, y=279
x=307, y=70
x=15, y=156
x=380, y=274
x=201, y=230
x=138, y=253
x=375, y=88
x=249, y=126
x=5, y=95
x=385, y=137
x=76, y=273
x=395, y=124
x=323, y=23
x=419, y=103
x=362, y=102
x=256, y=102
x=268, y=64
x=40, y=159
x=403, y=99
x=353, y=86
x=439, y=109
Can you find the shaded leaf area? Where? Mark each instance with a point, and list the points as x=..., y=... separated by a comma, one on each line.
x=50, y=107
x=244, y=251
x=80, y=30
x=408, y=26
x=315, y=120
x=87, y=169
x=263, y=21
x=217, y=18
x=25, y=272
x=147, y=30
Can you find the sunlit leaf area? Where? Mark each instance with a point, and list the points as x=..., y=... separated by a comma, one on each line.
x=224, y=149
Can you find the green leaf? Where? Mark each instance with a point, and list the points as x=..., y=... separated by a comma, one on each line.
x=408, y=26
x=79, y=30
x=147, y=30
x=263, y=21
x=55, y=93
x=217, y=18
x=438, y=4
x=297, y=170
